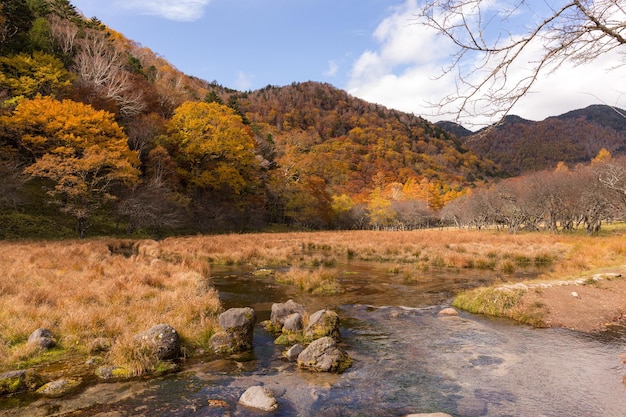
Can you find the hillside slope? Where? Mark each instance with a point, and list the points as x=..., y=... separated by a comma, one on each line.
x=367, y=145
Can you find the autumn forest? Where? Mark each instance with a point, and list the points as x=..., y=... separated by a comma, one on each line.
x=100, y=135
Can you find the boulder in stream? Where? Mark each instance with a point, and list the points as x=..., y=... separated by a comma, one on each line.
x=237, y=331
x=259, y=398
x=293, y=352
x=280, y=312
x=293, y=323
x=323, y=355
x=322, y=323
x=448, y=312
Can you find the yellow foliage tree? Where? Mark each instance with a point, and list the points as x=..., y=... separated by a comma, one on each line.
x=561, y=167
x=214, y=149
x=28, y=75
x=602, y=156
x=84, y=152
x=379, y=210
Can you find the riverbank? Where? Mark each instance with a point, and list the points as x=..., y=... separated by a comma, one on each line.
x=589, y=307
x=588, y=304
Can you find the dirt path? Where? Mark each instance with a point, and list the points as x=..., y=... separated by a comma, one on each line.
x=584, y=305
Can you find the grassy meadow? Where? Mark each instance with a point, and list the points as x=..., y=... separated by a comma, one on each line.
x=95, y=294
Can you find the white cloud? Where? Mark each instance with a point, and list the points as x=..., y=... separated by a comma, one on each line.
x=179, y=10
x=405, y=72
x=243, y=82
x=332, y=69
x=572, y=87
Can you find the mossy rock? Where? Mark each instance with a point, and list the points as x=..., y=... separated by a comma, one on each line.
x=263, y=272
x=272, y=327
x=323, y=355
x=290, y=338
x=223, y=342
x=322, y=323
x=15, y=382
x=164, y=340
x=113, y=373
x=60, y=387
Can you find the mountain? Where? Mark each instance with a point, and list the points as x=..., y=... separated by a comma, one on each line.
x=454, y=128
x=607, y=116
x=518, y=145
x=368, y=139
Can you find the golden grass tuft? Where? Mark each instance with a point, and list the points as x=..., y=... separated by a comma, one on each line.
x=135, y=356
x=316, y=281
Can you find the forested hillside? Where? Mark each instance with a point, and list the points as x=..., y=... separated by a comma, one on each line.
x=520, y=146
x=100, y=134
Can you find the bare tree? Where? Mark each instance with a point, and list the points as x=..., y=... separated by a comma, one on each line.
x=65, y=34
x=611, y=174
x=413, y=214
x=576, y=31
x=99, y=64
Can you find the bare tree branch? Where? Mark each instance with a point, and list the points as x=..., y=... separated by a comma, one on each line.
x=489, y=52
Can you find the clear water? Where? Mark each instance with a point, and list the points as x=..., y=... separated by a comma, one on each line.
x=407, y=359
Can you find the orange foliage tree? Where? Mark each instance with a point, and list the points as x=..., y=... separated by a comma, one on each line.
x=83, y=152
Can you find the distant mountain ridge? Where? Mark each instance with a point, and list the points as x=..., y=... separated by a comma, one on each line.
x=518, y=145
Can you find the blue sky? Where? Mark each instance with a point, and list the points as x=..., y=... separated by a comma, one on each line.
x=371, y=48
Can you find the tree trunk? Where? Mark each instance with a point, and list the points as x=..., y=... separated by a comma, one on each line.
x=81, y=227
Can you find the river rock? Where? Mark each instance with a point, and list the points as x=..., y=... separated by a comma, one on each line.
x=293, y=323
x=323, y=355
x=237, y=331
x=323, y=323
x=448, y=312
x=429, y=415
x=259, y=398
x=292, y=353
x=164, y=340
x=113, y=373
x=60, y=387
x=280, y=311
x=14, y=382
x=42, y=338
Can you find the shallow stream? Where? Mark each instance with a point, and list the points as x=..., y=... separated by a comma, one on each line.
x=407, y=359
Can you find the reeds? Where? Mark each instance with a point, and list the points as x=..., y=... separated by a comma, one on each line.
x=315, y=281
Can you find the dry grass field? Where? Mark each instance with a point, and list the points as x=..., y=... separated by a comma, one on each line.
x=111, y=289
x=89, y=296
